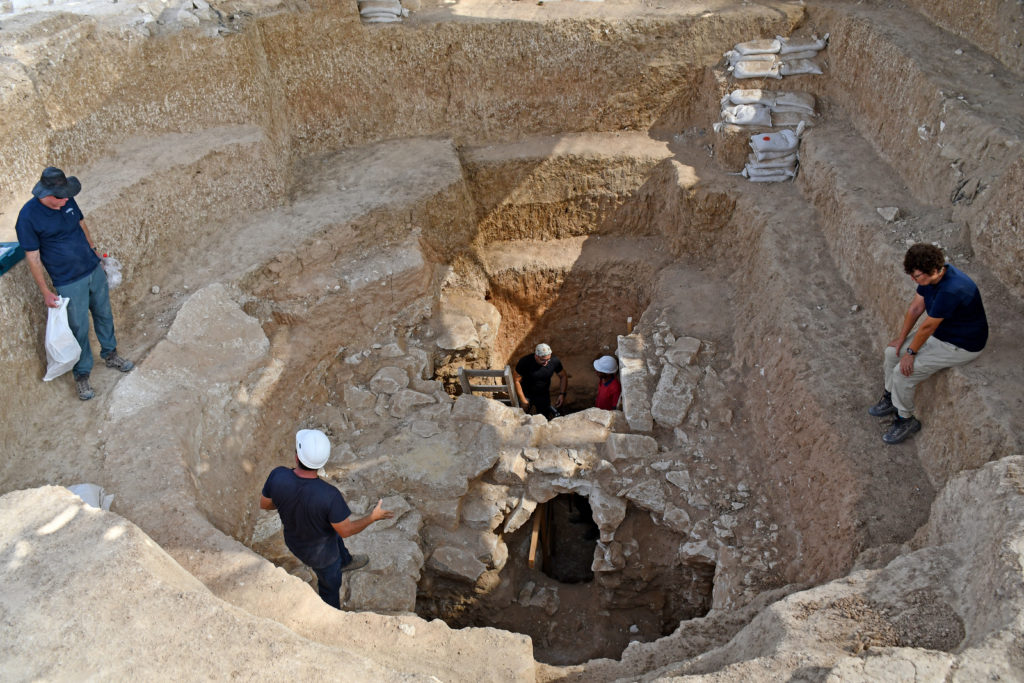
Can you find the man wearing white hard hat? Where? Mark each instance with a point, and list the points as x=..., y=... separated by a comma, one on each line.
x=315, y=515
x=532, y=377
x=608, y=387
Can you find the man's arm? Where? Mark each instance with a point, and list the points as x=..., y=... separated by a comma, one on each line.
x=35, y=266
x=928, y=327
x=350, y=527
x=266, y=503
x=88, y=237
x=914, y=312
x=517, y=381
x=563, y=378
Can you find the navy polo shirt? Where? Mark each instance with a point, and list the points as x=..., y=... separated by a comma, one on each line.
x=58, y=237
x=957, y=301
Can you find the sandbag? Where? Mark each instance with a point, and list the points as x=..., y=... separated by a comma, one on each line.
x=793, y=44
x=750, y=68
x=798, y=67
x=781, y=141
x=93, y=495
x=747, y=115
x=793, y=56
x=769, y=156
x=787, y=161
x=62, y=349
x=794, y=101
x=758, y=47
x=785, y=119
x=751, y=96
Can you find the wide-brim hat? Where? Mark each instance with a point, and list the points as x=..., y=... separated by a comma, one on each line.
x=606, y=364
x=53, y=183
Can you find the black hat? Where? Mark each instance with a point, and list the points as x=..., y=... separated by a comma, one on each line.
x=53, y=183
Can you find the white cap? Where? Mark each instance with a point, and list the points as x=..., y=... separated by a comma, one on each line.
x=313, y=448
x=606, y=364
x=542, y=350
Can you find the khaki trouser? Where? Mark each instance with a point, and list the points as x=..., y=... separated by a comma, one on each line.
x=933, y=356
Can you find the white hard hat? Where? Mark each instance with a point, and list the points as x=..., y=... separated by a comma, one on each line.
x=542, y=350
x=313, y=448
x=606, y=364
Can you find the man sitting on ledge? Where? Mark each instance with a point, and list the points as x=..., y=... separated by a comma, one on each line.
x=954, y=332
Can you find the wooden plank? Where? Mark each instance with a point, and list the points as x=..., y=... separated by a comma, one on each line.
x=482, y=373
x=512, y=395
x=538, y=515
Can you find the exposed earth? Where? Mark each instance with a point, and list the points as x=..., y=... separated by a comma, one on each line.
x=322, y=220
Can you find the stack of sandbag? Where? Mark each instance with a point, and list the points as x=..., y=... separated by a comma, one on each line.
x=776, y=57
x=381, y=11
x=773, y=156
x=766, y=108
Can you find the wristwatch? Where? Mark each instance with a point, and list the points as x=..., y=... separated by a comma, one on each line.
x=911, y=351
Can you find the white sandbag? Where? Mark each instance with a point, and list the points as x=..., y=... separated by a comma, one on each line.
x=793, y=56
x=62, y=349
x=747, y=68
x=752, y=96
x=394, y=6
x=791, y=119
x=758, y=171
x=787, y=161
x=93, y=495
x=780, y=141
x=793, y=44
x=767, y=156
x=798, y=67
x=386, y=19
x=747, y=115
x=765, y=46
x=735, y=58
x=774, y=175
x=793, y=101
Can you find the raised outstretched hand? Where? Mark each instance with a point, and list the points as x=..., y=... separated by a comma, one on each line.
x=379, y=512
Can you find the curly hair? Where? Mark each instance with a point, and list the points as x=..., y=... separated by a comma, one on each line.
x=926, y=258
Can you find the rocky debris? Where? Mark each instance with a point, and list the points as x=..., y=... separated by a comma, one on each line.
x=388, y=583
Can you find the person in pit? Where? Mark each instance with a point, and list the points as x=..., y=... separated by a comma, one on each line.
x=954, y=332
x=608, y=387
x=532, y=378
x=52, y=231
x=315, y=516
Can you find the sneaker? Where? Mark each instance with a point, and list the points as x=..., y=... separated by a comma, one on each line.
x=883, y=407
x=357, y=562
x=901, y=429
x=85, y=391
x=115, y=361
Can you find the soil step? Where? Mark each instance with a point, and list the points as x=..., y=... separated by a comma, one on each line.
x=947, y=117
x=976, y=410
x=557, y=186
x=799, y=332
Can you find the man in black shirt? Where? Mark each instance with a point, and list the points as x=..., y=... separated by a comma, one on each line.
x=532, y=377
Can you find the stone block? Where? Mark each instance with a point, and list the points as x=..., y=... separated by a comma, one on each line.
x=632, y=447
x=674, y=395
x=388, y=380
x=510, y=470
x=404, y=400
x=456, y=563
x=520, y=515
x=683, y=352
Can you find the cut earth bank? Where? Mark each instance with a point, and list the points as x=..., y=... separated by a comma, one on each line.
x=742, y=470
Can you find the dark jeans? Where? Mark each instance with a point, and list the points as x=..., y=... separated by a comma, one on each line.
x=328, y=579
x=90, y=294
x=541, y=403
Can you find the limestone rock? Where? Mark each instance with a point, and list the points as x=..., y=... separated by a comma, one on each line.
x=520, y=515
x=388, y=380
x=404, y=400
x=456, y=563
x=683, y=352
x=674, y=395
x=636, y=402
x=630, y=447
x=510, y=469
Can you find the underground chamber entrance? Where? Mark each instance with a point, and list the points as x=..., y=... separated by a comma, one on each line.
x=549, y=590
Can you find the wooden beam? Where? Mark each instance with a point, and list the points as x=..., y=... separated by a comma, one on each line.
x=538, y=515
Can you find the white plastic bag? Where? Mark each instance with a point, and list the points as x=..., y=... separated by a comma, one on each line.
x=93, y=495
x=62, y=349
x=112, y=267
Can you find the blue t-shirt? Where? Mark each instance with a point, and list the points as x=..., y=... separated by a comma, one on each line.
x=957, y=301
x=59, y=239
x=307, y=507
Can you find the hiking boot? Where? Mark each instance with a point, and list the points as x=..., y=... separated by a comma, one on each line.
x=115, y=361
x=902, y=427
x=883, y=407
x=85, y=391
x=357, y=562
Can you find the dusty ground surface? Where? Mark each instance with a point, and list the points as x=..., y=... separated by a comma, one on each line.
x=337, y=214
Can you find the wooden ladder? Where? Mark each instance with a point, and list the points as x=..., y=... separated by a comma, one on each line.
x=466, y=374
